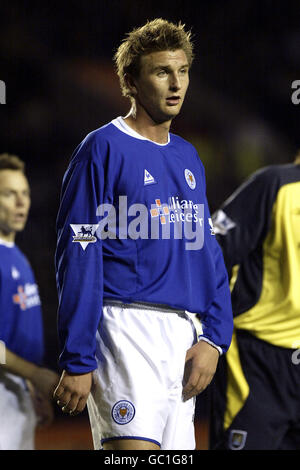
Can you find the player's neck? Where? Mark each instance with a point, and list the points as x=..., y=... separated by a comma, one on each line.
x=7, y=237
x=142, y=123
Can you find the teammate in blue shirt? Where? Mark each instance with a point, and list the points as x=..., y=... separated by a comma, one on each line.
x=137, y=258
x=25, y=385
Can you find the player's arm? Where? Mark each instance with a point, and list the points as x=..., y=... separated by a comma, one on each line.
x=79, y=277
x=200, y=366
x=240, y=225
x=43, y=379
x=217, y=324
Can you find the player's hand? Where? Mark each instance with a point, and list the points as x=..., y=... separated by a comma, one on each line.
x=200, y=366
x=72, y=392
x=42, y=405
x=44, y=380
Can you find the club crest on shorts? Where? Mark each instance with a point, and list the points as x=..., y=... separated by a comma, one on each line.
x=84, y=234
x=237, y=439
x=123, y=412
x=190, y=178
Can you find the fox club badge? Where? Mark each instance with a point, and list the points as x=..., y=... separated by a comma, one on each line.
x=84, y=234
x=123, y=412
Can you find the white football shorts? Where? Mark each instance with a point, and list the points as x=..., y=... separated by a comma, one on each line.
x=17, y=416
x=137, y=388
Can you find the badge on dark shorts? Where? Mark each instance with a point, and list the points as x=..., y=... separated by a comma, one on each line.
x=237, y=439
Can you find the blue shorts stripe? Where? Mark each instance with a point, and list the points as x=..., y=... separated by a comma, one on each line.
x=137, y=438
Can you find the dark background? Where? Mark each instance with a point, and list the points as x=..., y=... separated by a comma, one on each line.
x=56, y=61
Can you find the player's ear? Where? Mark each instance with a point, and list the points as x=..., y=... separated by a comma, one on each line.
x=131, y=84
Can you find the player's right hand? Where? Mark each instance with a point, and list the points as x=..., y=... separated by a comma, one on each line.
x=72, y=392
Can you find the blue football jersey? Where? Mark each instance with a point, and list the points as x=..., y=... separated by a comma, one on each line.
x=21, y=322
x=134, y=226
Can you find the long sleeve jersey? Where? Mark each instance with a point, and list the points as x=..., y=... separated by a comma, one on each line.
x=21, y=322
x=134, y=226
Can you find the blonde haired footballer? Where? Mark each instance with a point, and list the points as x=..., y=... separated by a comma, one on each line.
x=128, y=346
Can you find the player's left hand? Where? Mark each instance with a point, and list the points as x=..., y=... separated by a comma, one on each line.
x=200, y=366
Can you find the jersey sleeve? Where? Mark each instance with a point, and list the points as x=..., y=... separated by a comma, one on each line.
x=243, y=220
x=217, y=321
x=79, y=265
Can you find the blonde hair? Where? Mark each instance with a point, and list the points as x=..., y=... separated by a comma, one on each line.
x=155, y=35
x=11, y=162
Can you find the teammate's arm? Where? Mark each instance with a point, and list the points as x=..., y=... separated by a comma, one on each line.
x=45, y=380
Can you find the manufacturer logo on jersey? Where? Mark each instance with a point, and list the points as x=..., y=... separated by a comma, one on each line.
x=84, y=234
x=27, y=296
x=123, y=412
x=237, y=439
x=148, y=179
x=14, y=273
x=189, y=178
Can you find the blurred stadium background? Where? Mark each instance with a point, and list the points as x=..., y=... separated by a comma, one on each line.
x=60, y=84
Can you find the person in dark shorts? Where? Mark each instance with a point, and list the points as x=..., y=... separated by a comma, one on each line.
x=255, y=393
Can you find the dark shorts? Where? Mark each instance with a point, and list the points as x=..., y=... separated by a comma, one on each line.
x=270, y=416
